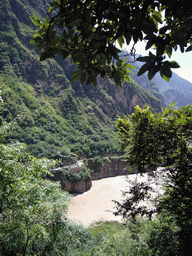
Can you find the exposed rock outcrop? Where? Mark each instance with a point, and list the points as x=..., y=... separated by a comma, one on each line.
x=100, y=168
x=110, y=167
x=78, y=187
x=72, y=187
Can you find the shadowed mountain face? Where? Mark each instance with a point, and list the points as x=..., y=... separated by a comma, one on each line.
x=55, y=118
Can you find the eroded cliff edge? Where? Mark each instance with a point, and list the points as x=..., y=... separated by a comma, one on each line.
x=77, y=178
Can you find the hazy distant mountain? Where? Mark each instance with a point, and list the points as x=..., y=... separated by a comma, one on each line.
x=176, y=90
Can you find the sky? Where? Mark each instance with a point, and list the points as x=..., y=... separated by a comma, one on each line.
x=183, y=59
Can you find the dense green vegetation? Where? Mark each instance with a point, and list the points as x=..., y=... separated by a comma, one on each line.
x=88, y=31
x=33, y=222
x=33, y=210
x=56, y=127
x=55, y=118
x=154, y=140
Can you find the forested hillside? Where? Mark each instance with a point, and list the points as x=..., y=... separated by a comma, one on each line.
x=58, y=119
x=54, y=117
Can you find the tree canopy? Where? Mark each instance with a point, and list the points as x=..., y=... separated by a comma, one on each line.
x=154, y=140
x=32, y=208
x=88, y=31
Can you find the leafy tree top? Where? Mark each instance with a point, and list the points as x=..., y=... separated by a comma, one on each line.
x=88, y=30
x=154, y=140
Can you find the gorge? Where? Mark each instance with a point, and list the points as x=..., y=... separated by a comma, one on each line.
x=68, y=121
x=97, y=168
x=54, y=117
x=61, y=139
x=96, y=204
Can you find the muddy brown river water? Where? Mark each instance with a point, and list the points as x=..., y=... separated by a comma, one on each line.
x=96, y=204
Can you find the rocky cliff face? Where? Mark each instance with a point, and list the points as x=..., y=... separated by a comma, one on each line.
x=110, y=167
x=77, y=187
x=177, y=90
x=111, y=99
x=106, y=167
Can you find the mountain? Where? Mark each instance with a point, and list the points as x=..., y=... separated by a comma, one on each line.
x=54, y=117
x=177, y=90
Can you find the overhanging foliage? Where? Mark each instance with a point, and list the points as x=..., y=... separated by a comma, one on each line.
x=88, y=32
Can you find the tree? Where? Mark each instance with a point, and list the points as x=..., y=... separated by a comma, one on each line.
x=32, y=209
x=88, y=30
x=162, y=139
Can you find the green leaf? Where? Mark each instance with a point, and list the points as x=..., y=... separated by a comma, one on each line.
x=150, y=43
x=152, y=72
x=169, y=51
x=53, y=5
x=32, y=41
x=174, y=64
x=127, y=65
x=37, y=38
x=135, y=38
x=166, y=70
x=128, y=38
x=117, y=80
x=82, y=77
x=144, y=59
x=157, y=16
x=144, y=68
x=120, y=41
x=36, y=21
x=44, y=56
x=46, y=22
x=75, y=76
x=162, y=73
x=167, y=79
x=181, y=48
x=163, y=30
x=189, y=48
x=126, y=78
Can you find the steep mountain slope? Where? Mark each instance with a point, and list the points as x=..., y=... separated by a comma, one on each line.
x=177, y=90
x=54, y=117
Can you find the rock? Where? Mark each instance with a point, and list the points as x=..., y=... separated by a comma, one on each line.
x=102, y=167
x=72, y=187
x=110, y=167
x=75, y=168
x=78, y=187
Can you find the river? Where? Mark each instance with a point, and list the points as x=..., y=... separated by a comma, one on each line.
x=96, y=204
